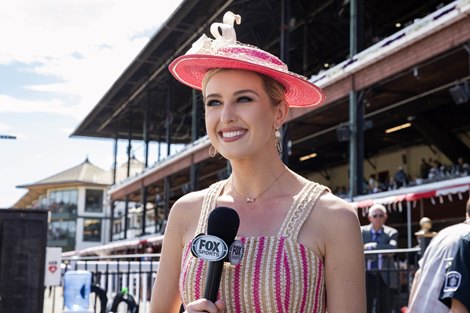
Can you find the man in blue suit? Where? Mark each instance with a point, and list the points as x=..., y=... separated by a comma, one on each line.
x=382, y=278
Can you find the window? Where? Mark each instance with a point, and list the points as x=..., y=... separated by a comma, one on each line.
x=63, y=204
x=62, y=230
x=62, y=234
x=91, y=229
x=94, y=200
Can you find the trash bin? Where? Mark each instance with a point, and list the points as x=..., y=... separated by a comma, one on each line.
x=77, y=285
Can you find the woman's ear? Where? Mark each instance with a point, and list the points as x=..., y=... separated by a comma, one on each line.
x=281, y=113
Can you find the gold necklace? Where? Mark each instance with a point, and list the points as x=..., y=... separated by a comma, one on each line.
x=253, y=199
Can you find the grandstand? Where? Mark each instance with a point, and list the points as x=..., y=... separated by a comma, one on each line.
x=404, y=74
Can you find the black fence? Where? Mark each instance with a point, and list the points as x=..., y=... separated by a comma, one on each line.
x=389, y=275
x=114, y=276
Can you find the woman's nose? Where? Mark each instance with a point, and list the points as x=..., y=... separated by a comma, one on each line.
x=228, y=114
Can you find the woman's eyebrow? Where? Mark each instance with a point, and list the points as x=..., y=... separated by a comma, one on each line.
x=236, y=93
x=244, y=91
x=212, y=95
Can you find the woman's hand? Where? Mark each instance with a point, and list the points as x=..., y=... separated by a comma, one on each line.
x=204, y=305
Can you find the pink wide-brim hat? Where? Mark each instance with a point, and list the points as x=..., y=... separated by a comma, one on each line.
x=225, y=52
x=190, y=69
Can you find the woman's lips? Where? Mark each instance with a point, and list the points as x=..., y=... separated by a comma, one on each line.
x=232, y=135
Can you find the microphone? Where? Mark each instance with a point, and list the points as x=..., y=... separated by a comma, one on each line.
x=222, y=224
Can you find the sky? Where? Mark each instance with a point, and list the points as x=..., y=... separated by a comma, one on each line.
x=57, y=60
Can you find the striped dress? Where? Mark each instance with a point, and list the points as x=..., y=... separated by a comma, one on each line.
x=276, y=273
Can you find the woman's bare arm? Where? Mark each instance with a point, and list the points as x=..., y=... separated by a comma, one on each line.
x=165, y=294
x=344, y=257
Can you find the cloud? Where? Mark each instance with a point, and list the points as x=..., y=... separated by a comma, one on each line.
x=52, y=29
x=84, y=44
x=13, y=105
x=80, y=47
x=4, y=127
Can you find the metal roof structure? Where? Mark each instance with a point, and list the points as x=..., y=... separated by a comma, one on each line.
x=84, y=174
x=408, y=83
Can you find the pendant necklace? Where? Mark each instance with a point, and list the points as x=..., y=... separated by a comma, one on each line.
x=251, y=200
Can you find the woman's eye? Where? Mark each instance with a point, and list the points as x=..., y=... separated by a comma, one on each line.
x=211, y=103
x=244, y=99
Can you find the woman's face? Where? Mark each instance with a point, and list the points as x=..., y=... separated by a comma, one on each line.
x=240, y=118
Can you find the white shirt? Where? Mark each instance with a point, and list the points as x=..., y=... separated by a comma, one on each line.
x=433, y=266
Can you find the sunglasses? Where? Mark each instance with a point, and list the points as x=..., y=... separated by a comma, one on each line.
x=378, y=215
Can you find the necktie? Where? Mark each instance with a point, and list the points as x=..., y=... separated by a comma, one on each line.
x=375, y=237
x=375, y=262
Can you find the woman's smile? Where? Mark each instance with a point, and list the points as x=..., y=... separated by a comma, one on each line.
x=229, y=135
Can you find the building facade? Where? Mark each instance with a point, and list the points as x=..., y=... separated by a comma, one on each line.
x=77, y=202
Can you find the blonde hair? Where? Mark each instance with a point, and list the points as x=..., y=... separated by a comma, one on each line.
x=275, y=91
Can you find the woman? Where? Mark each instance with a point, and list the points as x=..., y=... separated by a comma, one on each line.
x=301, y=242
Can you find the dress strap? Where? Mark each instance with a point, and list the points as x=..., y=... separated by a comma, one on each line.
x=301, y=209
x=208, y=204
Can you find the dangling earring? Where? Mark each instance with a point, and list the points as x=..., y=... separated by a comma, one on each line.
x=212, y=151
x=277, y=134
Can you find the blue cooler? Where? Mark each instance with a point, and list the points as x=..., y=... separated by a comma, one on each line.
x=77, y=285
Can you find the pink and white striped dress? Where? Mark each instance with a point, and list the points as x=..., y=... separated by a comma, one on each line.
x=276, y=274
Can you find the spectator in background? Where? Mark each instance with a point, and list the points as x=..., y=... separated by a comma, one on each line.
x=431, y=275
x=148, y=250
x=381, y=276
x=372, y=184
x=461, y=168
x=424, y=168
x=438, y=171
x=392, y=184
x=401, y=178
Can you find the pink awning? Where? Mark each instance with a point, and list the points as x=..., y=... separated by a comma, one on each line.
x=457, y=186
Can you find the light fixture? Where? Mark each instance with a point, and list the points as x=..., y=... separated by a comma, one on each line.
x=397, y=128
x=460, y=93
x=397, y=25
x=326, y=65
x=307, y=157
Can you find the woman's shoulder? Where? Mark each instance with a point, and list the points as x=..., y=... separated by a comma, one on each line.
x=185, y=213
x=331, y=216
x=333, y=202
x=190, y=202
x=327, y=204
x=332, y=209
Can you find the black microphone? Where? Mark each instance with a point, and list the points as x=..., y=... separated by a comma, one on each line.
x=223, y=223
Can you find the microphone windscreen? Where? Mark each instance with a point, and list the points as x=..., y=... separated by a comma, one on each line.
x=223, y=223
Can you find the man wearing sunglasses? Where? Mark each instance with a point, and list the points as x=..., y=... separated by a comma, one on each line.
x=381, y=275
